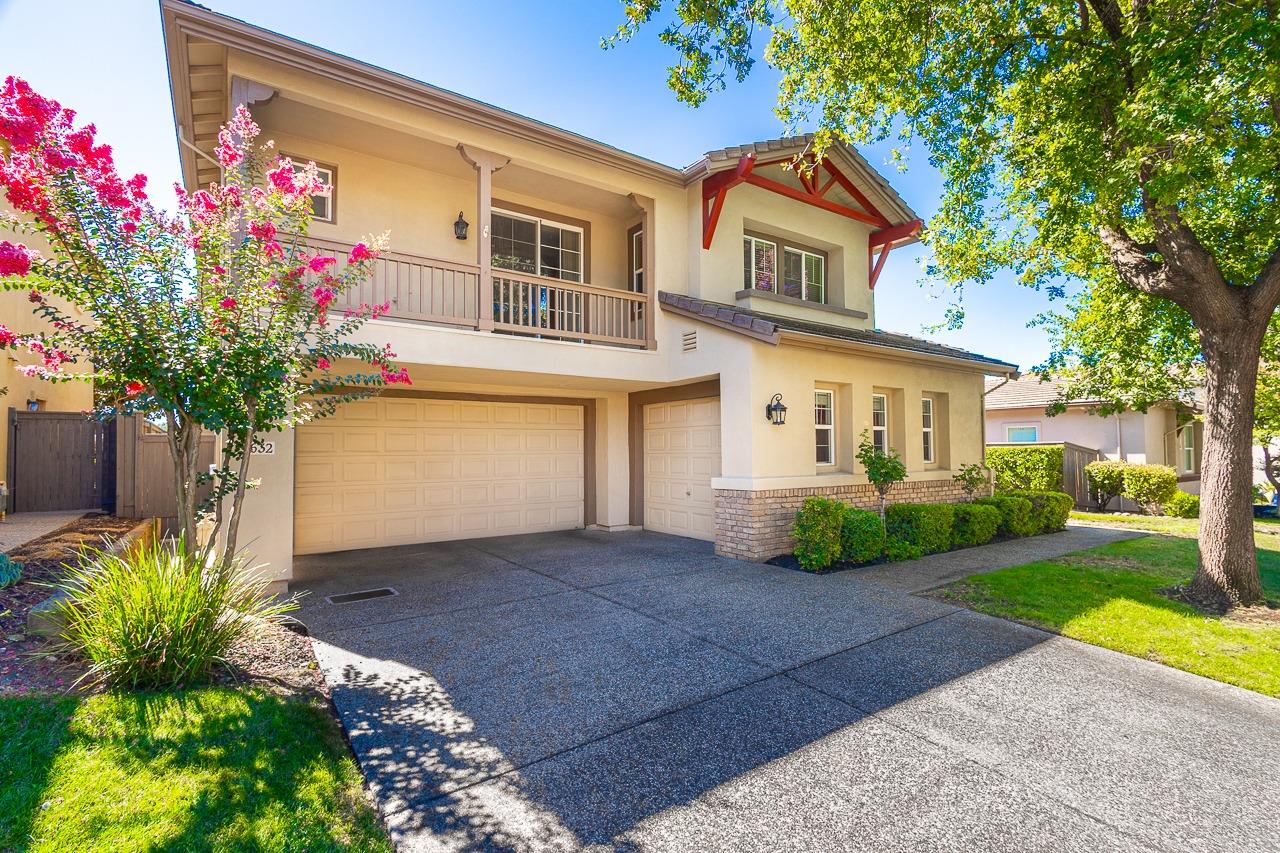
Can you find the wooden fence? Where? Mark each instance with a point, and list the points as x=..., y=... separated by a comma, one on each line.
x=59, y=461
x=1074, y=458
x=144, y=472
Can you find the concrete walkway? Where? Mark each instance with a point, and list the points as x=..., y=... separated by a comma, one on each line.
x=633, y=691
x=20, y=528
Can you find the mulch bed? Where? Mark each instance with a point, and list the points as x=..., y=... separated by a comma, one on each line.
x=789, y=561
x=272, y=656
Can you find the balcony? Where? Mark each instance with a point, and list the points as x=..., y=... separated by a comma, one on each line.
x=448, y=293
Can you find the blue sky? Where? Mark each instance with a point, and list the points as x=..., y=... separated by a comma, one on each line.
x=106, y=60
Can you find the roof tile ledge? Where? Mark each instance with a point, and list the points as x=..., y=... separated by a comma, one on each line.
x=769, y=328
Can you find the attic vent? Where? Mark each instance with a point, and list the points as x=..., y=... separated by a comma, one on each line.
x=689, y=340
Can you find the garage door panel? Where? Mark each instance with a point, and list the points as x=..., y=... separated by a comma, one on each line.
x=399, y=471
x=682, y=455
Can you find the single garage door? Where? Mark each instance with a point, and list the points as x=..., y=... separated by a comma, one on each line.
x=396, y=471
x=681, y=455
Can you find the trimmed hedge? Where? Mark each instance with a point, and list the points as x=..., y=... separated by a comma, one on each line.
x=1049, y=510
x=1150, y=486
x=926, y=526
x=1015, y=514
x=975, y=524
x=819, y=524
x=895, y=551
x=1183, y=505
x=1037, y=467
x=1106, y=480
x=861, y=536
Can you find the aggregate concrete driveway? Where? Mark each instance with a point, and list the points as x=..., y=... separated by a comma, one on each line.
x=633, y=691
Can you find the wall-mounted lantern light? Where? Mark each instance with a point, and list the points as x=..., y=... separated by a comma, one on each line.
x=460, y=227
x=33, y=405
x=775, y=411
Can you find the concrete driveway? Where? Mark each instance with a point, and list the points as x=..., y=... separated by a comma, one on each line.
x=633, y=691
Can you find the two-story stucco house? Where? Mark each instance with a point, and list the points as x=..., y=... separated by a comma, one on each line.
x=1168, y=433
x=593, y=338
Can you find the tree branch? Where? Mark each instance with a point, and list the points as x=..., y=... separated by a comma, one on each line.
x=1135, y=266
x=1264, y=294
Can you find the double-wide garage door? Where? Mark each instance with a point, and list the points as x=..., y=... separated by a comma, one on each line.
x=397, y=471
x=681, y=455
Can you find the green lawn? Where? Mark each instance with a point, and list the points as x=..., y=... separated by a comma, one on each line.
x=1108, y=596
x=1161, y=524
x=203, y=769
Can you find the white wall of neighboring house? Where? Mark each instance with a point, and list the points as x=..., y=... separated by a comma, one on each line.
x=1121, y=436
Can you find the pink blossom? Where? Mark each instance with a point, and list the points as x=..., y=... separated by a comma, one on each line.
x=219, y=269
x=282, y=177
x=323, y=296
x=361, y=252
x=134, y=388
x=320, y=263
x=35, y=297
x=264, y=231
x=272, y=249
x=7, y=337
x=392, y=377
x=227, y=304
x=15, y=259
x=322, y=363
x=378, y=310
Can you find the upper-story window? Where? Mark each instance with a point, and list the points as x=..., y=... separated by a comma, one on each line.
x=635, y=254
x=322, y=206
x=803, y=273
x=538, y=246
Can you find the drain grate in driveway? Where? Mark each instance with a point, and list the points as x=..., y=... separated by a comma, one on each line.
x=362, y=595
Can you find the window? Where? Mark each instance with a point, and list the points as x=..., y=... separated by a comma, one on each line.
x=926, y=423
x=760, y=264
x=321, y=205
x=804, y=275
x=824, y=411
x=637, y=261
x=1028, y=434
x=537, y=246
x=1187, y=447
x=880, y=422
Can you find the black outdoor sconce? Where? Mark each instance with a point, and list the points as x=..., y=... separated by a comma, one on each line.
x=460, y=226
x=775, y=411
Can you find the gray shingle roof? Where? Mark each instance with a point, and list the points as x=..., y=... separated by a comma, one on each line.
x=768, y=327
x=1026, y=393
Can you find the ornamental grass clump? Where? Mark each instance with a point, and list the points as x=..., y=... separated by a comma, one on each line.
x=157, y=617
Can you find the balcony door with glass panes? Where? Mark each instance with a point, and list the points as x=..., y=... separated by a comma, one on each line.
x=535, y=246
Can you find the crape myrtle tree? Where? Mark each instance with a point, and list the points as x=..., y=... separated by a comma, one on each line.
x=217, y=318
x=1130, y=145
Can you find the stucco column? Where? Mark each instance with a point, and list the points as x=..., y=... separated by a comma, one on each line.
x=485, y=164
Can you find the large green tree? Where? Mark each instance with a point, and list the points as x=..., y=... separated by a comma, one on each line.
x=1128, y=144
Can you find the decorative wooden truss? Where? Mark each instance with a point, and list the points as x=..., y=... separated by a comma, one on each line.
x=816, y=180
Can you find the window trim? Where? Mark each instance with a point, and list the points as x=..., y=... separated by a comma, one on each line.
x=829, y=428
x=299, y=160
x=635, y=260
x=804, y=273
x=884, y=398
x=1185, y=449
x=780, y=248
x=751, y=285
x=928, y=435
x=1009, y=440
x=515, y=211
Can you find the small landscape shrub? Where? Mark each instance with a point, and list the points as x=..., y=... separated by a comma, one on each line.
x=818, y=528
x=10, y=571
x=156, y=617
x=861, y=536
x=927, y=526
x=1183, y=505
x=975, y=524
x=1150, y=486
x=1015, y=514
x=1031, y=468
x=971, y=478
x=1049, y=510
x=895, y=551
x=1106, y=480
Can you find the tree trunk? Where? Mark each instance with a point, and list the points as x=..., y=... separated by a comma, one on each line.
x=1227, y=570
x=184, y=452
x=1271, y=468
x=237, y=501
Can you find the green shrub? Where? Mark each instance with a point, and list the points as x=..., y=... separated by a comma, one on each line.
x=895, y=551
x=1015, y=514
x=975, y=524
x=1106, y=480
x=817, y=532
x=1183, y=505
x=1037, y=467
x=157, y=618
x=1150, y=486
x=1049, y=510
x=10, y=571
x=971, y=478
x=927, y=526
x=861, y=536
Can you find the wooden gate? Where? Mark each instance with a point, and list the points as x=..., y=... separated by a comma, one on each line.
x=59, y=461
x=144, y=472
x=1074, y=481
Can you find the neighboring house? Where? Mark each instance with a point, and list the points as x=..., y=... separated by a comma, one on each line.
x=1166, y=434
x=596, y=343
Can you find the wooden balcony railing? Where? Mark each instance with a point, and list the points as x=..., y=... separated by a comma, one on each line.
x=436, y=291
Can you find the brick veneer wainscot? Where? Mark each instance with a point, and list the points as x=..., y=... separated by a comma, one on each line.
x=755, y=526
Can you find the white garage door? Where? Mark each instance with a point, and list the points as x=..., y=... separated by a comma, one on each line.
x=395, y=471
x=681, y=455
